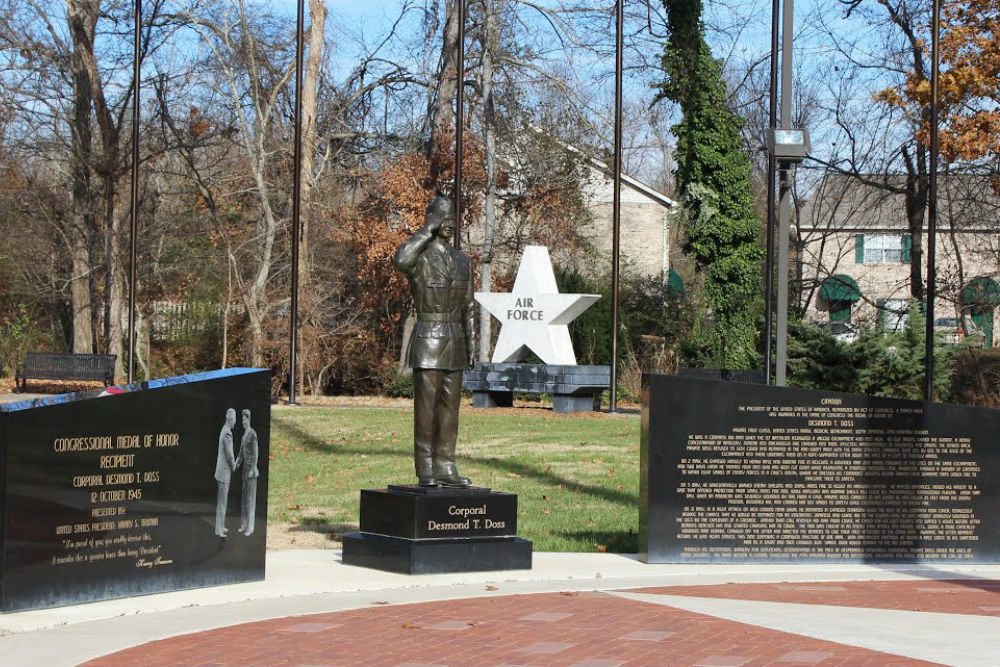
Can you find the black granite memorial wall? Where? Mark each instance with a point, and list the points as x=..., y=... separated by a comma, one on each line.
x=732, y=472
x=108, y=496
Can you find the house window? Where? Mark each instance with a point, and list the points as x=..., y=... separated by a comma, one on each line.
x=882, y=248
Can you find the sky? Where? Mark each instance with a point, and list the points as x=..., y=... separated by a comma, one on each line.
x=739, y=32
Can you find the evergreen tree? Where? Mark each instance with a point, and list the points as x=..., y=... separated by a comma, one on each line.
x=713, y=177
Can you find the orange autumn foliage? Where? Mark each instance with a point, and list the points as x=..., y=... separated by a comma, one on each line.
x=392, y=210
x=969, y=87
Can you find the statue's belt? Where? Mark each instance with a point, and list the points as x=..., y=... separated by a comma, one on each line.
x=438, y=317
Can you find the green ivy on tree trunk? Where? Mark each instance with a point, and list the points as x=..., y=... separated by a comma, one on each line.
x=713, y=177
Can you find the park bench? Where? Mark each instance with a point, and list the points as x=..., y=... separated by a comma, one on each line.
x=44, y=366
x=572, y=388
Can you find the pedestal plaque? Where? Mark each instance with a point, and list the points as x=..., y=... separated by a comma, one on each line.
x=417, y=530
x=108, y=496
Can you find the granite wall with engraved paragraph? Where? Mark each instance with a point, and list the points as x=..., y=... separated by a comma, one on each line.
x=734, y=472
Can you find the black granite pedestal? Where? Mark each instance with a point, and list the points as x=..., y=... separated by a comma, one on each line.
x=417, y=530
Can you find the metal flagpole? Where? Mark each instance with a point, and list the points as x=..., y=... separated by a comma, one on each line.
x=296, y=205
x=134, y=213
x=772, y=167
x=785, y=198
x=459, y=110
x=932, y=207
x=616, y=202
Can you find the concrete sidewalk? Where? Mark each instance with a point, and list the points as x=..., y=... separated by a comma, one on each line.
x=964, y=632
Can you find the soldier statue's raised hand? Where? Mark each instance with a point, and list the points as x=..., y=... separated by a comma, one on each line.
x=443, y=342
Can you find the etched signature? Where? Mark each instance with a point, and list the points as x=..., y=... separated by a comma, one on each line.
x=159, y=560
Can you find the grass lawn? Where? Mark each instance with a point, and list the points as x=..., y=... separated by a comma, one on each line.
x=576, y=476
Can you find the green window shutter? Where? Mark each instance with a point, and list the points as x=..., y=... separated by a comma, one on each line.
x=907, y=248
x=859, y=248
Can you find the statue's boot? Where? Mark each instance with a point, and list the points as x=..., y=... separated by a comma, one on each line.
x=426, y=477
x=445, y=469
x=425, y=467
x=448, y=475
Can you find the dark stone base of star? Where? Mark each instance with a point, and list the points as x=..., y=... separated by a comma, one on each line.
x=572, y=388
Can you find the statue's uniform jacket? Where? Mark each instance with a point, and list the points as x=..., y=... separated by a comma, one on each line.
x=441, y=283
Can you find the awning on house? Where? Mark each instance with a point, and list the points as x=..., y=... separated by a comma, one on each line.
x=839, y=287
x=981, y=291
x=675, y=284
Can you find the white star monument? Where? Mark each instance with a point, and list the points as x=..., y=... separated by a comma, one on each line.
x=534, y=315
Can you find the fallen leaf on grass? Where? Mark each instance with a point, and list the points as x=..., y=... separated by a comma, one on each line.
x=310, y=479
x=293, y=520
x=292, y=506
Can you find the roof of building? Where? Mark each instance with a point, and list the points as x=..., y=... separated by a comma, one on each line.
x=607, y=171
x=966, y=202
x=635, y=184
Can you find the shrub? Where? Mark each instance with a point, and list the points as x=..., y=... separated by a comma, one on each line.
x=975, y=379
x=17, y=338
x=396, y=384
x=879, y=363
x=817, y=360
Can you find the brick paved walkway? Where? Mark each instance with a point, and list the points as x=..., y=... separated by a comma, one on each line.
x=590, y=629
x=956, y=596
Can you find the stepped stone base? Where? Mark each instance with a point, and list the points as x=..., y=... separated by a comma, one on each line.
x=416, y=530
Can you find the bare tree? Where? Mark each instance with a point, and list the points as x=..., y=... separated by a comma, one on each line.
x=875, y=43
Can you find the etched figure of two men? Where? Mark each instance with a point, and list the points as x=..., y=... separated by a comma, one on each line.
x=443, y=342
x=226, y=463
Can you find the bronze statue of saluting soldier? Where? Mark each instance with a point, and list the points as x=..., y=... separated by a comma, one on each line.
x=443, y=343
